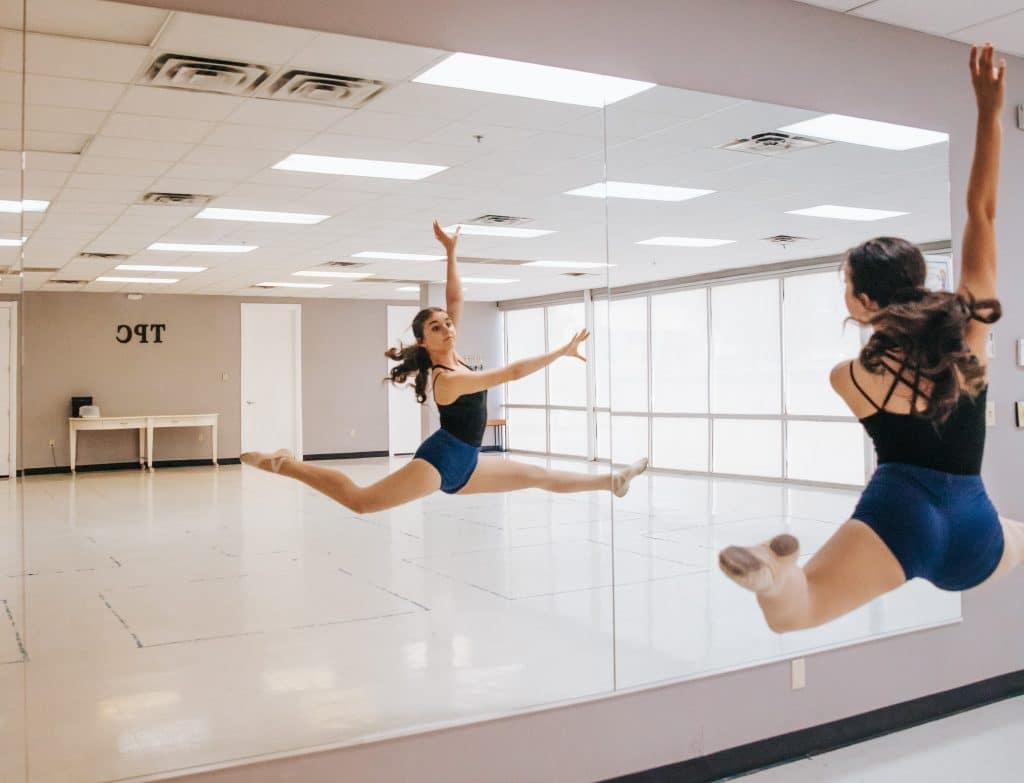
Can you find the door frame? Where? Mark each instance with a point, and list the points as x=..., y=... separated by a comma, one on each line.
x=13, y=391
x=296, y=310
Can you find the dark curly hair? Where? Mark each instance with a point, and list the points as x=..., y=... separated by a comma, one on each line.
x=927, y=328
x=414, y=358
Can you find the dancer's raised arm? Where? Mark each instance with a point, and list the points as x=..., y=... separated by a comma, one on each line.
x=978, y=253
x=448, y=386
x=453, y=286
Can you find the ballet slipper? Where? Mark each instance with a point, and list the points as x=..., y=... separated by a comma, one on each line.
x=265, y=461
x=760, y=568
x=620, y=481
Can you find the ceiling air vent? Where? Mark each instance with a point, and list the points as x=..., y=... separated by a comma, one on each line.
x=772, y=144
x=68, y=282
x=187, y=72
x=175, y=199
x=578, y=274
x=497, y=220
x=337, y=264
x=496, y=261
x=328, y=89
x=104, y=256
x=785, y=239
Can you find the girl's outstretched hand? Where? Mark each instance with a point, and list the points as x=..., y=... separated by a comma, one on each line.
x=572, y=348
x=987, y=78
x=448, y=240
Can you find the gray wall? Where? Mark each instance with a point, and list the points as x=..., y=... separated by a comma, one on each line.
x=769, y=50
x=70, y=349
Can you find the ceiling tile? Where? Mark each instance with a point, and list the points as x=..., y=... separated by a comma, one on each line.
x=287, y=114
x=137, y=126
x=939, y=17
x=51, y=55
x=233, y=39
x=364, y=57
x=95, y=19
x=183, y=104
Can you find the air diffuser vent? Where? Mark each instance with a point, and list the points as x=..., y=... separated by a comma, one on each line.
x=785, y=239
x=336, y=264
x=187, y=72
x=104, y=256
x=175, y=199
x=497, y=220
x=327, y=89
x=772, y=144
x=68, y=282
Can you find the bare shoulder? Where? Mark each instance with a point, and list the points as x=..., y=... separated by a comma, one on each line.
x=839, y=377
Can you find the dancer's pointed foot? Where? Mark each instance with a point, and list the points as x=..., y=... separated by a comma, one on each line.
x=620, y=481
x=266, y=461
x=760, y=568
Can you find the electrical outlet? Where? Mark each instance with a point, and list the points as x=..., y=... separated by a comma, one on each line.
x=798, y=673
x=351, y=433
x=53, y=443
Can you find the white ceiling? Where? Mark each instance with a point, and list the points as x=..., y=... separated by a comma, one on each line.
x=1000, y=22
x=98, y=141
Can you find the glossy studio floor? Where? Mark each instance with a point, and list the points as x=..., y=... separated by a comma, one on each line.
x=191, y=616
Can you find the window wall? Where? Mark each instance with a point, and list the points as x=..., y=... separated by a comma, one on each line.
x=726, y=378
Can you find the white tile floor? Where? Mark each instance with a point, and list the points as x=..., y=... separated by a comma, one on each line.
x=979, y=746
x=197, y=615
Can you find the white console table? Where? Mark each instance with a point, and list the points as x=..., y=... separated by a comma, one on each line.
x=145, y=425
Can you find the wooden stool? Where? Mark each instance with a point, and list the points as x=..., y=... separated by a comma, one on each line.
x=499, y=432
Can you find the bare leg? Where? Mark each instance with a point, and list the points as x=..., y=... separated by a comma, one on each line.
x=1013, y=552
x=498, y=475
x=415, y=480
x=853, y=567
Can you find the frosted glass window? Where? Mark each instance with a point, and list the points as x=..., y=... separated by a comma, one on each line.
x=629, y=354
x=826, y=451
x=679, y=352
x=569, y=432
x=745, y=359
x=816, y=340
x=525, y=338
x=680, y=444
x=567, y=378
x=601, y=352
x=629, y=438
x=603, y=435
x=527, y=429
x=748, y=447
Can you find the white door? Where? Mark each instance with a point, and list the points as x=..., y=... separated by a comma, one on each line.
x=403, y=410
x=272, y=377
x=7, y=388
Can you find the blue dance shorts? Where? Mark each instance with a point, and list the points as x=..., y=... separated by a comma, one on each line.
x=454, y=459
x=940, y=526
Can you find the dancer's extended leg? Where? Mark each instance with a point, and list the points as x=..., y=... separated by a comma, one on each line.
x=853, y=567
x=415, y=480
x=499, y=475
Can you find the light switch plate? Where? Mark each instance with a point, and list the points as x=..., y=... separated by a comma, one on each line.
x=798, y=673
x=1019, y=407
x=990, y=414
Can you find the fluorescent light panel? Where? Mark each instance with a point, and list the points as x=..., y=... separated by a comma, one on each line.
x=637, y=190
x=12, y=242
x=498, y=231
x=157, y=268
x=846, y=213
x=177, y=247
x=527, y=80
x=567, y=264
x=357, y=167
x=408, y=288
x=295, y=285
x=23, y=206
x=686, y=242
x=868, y=133
x=397, y=256
x=260, y=216
x=157, y=280
x=345, y=275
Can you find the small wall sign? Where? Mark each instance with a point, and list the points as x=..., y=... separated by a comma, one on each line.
x=127, y=332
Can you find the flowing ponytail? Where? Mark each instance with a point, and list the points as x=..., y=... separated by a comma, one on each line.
x=926, y=328
x=413, y=359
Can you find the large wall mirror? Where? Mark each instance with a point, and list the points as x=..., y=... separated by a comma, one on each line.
x=226, y=225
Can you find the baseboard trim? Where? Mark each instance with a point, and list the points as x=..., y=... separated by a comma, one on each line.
x=344, y=455
x=166, y=463
x=832, y=736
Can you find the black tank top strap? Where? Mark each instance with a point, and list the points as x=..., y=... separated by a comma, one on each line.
x=897, y=378
x=861, y=388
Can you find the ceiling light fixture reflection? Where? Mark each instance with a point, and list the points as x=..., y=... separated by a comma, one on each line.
x=26, y=205
x=294, y=285
x=380, y=254
x=686, y=242
x=835, y=212
x=868, y=133
x=567, y=264
x=498, y=231
x=637, y=190
x=178, y=247
x=155, y=280
x=158, y=268
x=343, y=275
x=357, y=167
x=260, y=216
x=528, y=80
